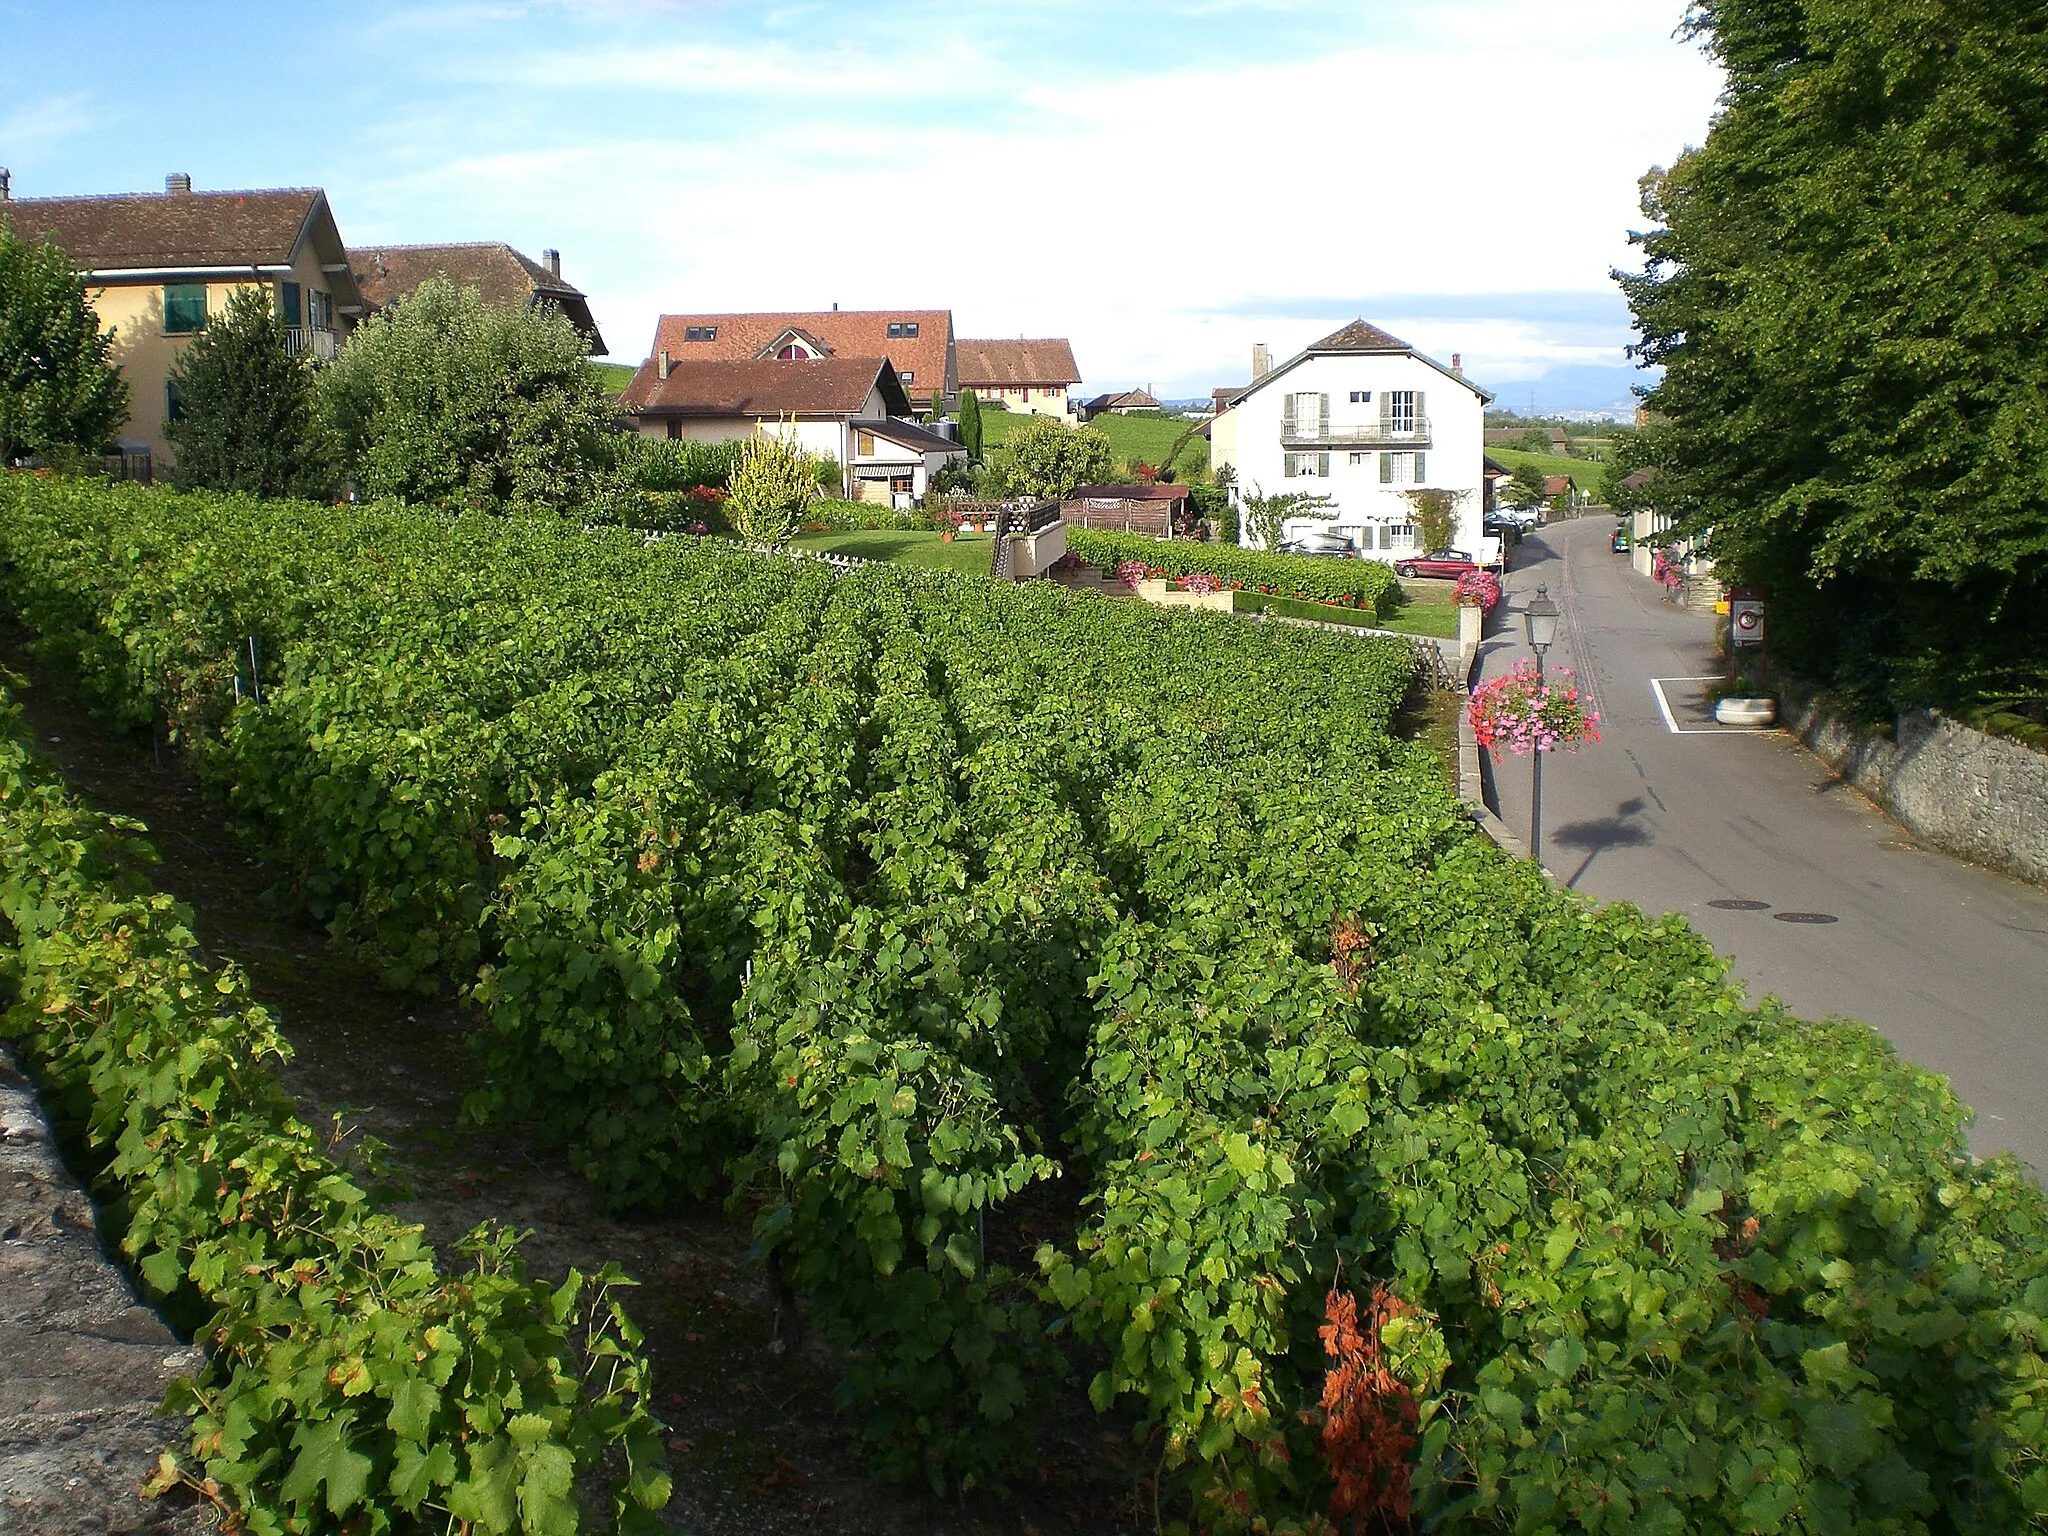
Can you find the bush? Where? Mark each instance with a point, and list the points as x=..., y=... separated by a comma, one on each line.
x=773, y=484
x=1363, y=584
x=250, y=422
x=835, y=516
x=57, y=387
x=1046, y=459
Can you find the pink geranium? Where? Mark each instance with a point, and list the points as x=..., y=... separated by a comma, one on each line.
x=1523, y=712
x=1480, y=588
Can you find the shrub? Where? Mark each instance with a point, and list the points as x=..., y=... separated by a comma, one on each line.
x=57, y=387
x=249, y=418
x=1363, y=584
x=1047, y=459
x=773, y=484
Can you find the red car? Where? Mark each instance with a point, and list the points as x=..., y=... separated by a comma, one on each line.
x=1438, y=562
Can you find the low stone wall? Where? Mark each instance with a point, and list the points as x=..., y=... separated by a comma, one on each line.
x=1973, y=795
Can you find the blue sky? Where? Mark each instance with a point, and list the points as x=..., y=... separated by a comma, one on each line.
x=1165, y=183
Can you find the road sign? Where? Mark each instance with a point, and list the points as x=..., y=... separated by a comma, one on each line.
x=1745, y=618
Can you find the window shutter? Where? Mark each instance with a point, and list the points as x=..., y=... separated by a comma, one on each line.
x=1421, y=422
x=1386, y=469
x=1323, y=424
x=1421, y=474
x=1323, y=465
x=1386, y=414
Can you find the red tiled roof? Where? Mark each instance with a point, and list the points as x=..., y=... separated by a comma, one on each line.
x=823, y=386
x=1005, y=364
x=387, y=273
x=154, y=231
x=1359, y=336
x=1556, y=485
x=850, y=333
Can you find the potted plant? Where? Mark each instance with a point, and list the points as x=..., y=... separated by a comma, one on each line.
x=1744, y=699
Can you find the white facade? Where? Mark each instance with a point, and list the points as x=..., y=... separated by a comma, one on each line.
x=1027, y=399
x=1362, y=427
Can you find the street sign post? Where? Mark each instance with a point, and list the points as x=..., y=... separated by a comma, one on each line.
x=1745, y=624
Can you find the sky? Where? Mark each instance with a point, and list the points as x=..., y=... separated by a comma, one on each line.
x=1165, y=183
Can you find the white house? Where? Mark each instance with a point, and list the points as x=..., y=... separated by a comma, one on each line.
x=1362, y=418
x=850, y=409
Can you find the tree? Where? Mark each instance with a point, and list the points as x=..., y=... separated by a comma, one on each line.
x=1265, y=517
x=248, y=420
x=773, y=483
x=1047, y=459
x=970, y=425
x=1529, y=485
x=454, y=402
x=57, y=387
x=1844, y=289
x=1436, y=514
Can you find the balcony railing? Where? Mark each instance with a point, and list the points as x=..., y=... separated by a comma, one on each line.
x=315, y=339
x=1405, y=432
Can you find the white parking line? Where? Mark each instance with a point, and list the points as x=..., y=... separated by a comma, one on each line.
x=1671, y=721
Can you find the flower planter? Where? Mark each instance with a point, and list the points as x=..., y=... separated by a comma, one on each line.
x=1747, y=711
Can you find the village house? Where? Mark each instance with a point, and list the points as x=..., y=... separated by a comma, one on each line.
x=1035, y=377
x=852, y=410
x=158, y=264
x=1122, y=403
x=503, y=276
x=1364, y=419
x=918, y=341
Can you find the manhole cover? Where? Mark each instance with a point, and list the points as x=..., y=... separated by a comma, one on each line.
x=1805, y=917
x=1733, y=904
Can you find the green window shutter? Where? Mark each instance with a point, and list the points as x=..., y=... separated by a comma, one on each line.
x=1386, y=469
x=1421, y=473
x=184, y=307
x=1421, y=420
x=1323, y=421
x=1323, y=465
x=288, y=305
x=174, y=402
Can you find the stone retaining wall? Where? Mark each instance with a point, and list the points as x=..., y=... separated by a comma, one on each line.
x=1979, y=797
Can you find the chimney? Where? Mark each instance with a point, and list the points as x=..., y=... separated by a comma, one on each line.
x=1262, y=361
x=552, y=260
x=178, y=184
x=661, y=365
x=1458, y=364
x=835, y=306
x=6, y=184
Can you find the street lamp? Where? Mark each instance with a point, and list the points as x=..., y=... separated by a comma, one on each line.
x=1539, y=614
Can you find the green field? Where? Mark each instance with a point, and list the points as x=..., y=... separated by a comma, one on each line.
x=616, y=376
x=931, y=551
x=1132, y=438
x=1587, y=472
x=1438, y=621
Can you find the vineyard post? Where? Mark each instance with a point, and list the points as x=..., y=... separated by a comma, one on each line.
x=1541, y=618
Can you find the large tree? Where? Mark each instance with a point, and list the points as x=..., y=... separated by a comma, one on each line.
x=247, y=420
x=1047, y=458
x=452, y=401
x=58, y=389
x=1848, y=292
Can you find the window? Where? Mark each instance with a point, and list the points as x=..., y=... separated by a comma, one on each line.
x=1402, y=468
x=184, y=307
x=792, y=354
x=1311, y=466
x=322, y=308
x=700, y=333
x=288, y=305
x=1361, y=397
x=1397, y=412
x=902, y=328
x=908, y=377
x=1360, y=459
x=675, y=431
x=1397, y=535
x=1026, y=394
x=174, y=403
x=864, y=444
x=901, y=484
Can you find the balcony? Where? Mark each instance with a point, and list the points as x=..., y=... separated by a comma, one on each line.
x=316, y=339
x=1404, y=432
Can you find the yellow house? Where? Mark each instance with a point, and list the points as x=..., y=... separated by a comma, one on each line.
x=157, y=265
x=1023, y=375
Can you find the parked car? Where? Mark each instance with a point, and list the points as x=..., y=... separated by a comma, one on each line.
x=1620, y=541
x=1501, y=523
x=1320, y=541
x=1438, y=562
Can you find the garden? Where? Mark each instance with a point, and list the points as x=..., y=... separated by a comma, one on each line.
x=1073, y=1001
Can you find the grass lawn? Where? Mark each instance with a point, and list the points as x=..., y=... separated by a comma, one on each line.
x=968, y=553
x=1586, y=472
x=1437, y=621
x=1131, y=438
x=616, y=376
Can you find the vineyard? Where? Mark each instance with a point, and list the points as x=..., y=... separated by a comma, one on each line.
x=1362, y=584
x=1072, y=993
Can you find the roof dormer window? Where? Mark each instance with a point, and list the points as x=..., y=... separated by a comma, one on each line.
x=700, y=333
x=903, y=330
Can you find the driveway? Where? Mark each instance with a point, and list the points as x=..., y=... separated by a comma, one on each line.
x=1817, y=897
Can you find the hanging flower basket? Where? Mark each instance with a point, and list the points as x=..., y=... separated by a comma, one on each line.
x=1522, y=713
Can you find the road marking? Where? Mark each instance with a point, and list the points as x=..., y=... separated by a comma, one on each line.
x=1671, y=721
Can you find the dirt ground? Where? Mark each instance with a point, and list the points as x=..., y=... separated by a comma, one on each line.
x=756, y=1444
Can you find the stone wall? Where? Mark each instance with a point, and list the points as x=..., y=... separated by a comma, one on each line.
x=1979, y=797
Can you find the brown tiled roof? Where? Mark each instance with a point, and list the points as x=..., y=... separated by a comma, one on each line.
x=850, y=333
x=1636, y=479
x=1129, y=493
x=1128, y=399
x=1004, y=364
x=820, y=386
x=1359, y=336
x=155, y=231
x=1556, y=485
x=387, y=273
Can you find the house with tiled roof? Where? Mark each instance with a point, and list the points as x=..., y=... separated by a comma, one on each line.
x=1035, y=377
x=853, y=410
x=1366, y=420
x=918, y=341
x=504, y=276
x=1121, y=403
x=157, y=264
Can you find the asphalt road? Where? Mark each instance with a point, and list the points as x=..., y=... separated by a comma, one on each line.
x=1674, y=814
